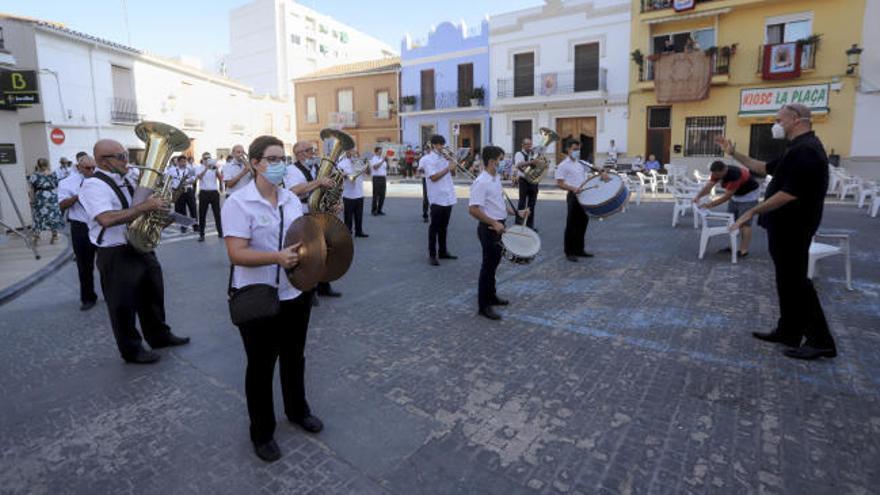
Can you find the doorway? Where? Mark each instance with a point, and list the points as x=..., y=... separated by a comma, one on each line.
x=658, y=137
x=581, y=129
x=469, y=136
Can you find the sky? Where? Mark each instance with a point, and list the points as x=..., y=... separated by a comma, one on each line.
x=200, y=28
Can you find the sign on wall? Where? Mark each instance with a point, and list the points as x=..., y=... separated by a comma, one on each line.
x=57, y=136
x=19, y=87
x=755, y=101
x=781, y=61
x=7, y=153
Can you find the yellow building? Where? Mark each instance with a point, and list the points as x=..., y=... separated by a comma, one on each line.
x=761, y=54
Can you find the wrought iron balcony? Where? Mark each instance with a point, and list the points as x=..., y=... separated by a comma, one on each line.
x=124, y=110
x=382, y=114
x=193, y=122
x=808, y=56
x=341, y=120
x=553, y=84
x=720, y=64
x=652, y=5
x=448, y=100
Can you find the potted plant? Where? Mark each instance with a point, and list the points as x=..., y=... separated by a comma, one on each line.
x=408, y=102
x=639, y=60
x=477, y=95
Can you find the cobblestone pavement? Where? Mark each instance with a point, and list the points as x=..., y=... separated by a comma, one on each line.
x=632, y=372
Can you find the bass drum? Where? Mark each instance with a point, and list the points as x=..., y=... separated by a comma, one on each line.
x=603, y=199
x=520, y=244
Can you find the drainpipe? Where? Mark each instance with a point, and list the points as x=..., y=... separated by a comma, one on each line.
x=94, y=92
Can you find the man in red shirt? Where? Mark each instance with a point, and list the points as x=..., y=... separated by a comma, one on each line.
x=740, y=188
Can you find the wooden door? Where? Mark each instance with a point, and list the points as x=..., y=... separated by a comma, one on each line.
x=465, y=84
x=427, y=87
x=658, y=136
x=522, y=129
x=573, y=127
x=469, y=137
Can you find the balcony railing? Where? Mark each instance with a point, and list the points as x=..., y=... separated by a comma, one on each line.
x=236, y=128
x=720, y=65
x=382, y=114
x=341, y=120
x=553, y=84
x=808, y=56
x=652, y=5
x=193, y=122
x=124, y=110
x=447, y=100
x=311, y=118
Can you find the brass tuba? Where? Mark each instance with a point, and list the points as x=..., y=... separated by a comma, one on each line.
x=327, y=200
x=161, y=140
x=534, y=173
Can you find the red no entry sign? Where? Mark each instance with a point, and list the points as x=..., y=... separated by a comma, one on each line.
x=57, y=136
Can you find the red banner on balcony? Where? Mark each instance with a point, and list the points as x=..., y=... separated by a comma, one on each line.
x=682, y=77
x=781, y=61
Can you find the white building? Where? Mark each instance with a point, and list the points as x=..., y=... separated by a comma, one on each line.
x=864, y=159
x=275, y=41
x=563, y=65
x=91, y=89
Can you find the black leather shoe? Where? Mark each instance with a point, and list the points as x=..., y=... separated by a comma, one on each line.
x=809, y=353
x=433, y=261
x=87, y=305
x=572, y=258
x=268, y=451
x=361, y=235
x=448, y=256
x=173, y=340
x=381, y=213
x=201, y=238
x=489, y=313
x=774, y=337
x=499, y=302
x=425, y=220
x=310, y=423
x=142, y=356
x=586, y=255
x=330, y=293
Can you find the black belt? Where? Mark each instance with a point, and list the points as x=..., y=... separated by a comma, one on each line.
x=69, y=220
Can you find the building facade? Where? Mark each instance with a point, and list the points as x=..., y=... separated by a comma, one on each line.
x=562, y=65
x=359, y=99
x=91, y=89
x=864, y=159
x=274, y=41
x=761, y=54
x=444, y=86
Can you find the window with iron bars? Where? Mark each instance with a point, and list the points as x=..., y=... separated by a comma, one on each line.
x=700, y=134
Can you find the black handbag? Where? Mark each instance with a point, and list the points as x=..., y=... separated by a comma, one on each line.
x=256, y=301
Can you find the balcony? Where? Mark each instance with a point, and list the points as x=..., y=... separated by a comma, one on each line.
x=382, y=114
x=654, y=5
x=124, y=111
x=192, y=122
x=236, y=128
x=808, y=56
x=720, y=68
x=311, y=118
x=553, y=84
x=446, y=101
x=342, y=120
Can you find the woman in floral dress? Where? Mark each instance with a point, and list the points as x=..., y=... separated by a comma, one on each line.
x=44, y=200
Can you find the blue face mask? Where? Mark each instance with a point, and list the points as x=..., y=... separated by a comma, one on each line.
x=576, y=155
x=275, y=172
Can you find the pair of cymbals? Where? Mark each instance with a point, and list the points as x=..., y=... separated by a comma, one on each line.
x=325, y=252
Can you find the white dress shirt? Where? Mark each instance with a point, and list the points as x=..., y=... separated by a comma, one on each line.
x=63, y=172
x=96, y=198
x=488, y=193
x=441, y=192
x=351, y=190
x=209, y=181
x=230, y=171
x=381, y=171
x=68, y=188
x=248, y=215
x=519, y=157
x=178, y=174
x=293, y=178
x=571, y=172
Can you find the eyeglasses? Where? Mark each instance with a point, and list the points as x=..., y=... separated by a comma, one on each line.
x=123, y=157
x=271, y=159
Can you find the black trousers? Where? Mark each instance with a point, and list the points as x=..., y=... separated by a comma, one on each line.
x=212, y=199
x=354, y=210
x=528, y=196
x=283, y=338
x=491, y=244
x=132, y=285
x=323, y=288
x=437, y=229
x=85, y=260
x=800, y=312
x=576, y=221
x=425, y=204
x=378, y=194
x=186, y=200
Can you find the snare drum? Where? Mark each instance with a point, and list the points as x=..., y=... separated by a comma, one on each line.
x=520, y=244
x=602, y=199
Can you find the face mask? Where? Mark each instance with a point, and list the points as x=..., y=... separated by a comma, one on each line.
x=576, y=155
x=275, y=172
x=311, y=162
x=778, y=131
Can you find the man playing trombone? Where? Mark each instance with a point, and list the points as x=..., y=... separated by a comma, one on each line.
x=438, y=172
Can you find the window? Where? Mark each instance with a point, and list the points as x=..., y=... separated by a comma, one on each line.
x=789, y=32
x=586, y=67
x=311, y=45
x=268, y=124
x=343, y=37
x=762, y=146
x=522, y=129
x=295, y=39
x=310, y=24
x=700, y=134
x=345, y=100
x=465, y=84
x=524, y=74
x=123, y=86
x=287, y=122
x=427, y=86
x=311, y=109
x=382, y=109
x=704, y=38
x=427, y=132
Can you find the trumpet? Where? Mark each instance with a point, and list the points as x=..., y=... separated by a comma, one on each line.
x=365, y=166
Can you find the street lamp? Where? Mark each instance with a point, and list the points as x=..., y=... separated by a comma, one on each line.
x=852, y=58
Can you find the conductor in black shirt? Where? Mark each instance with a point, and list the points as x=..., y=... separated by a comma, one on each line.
x=791, y=214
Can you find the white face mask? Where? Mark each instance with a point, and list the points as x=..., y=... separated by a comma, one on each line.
x=778, y=131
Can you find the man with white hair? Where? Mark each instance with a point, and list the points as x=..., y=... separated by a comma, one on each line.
x=791, y=213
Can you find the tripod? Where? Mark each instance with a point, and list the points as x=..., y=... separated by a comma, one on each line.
x=27, y=238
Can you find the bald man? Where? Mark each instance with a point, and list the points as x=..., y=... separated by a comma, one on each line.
x=237, y=173
x=130, y=280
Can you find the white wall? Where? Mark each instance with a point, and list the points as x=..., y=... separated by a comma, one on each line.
x=254, y=55
x=865, y=145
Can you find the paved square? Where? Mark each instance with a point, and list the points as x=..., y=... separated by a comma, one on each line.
x=632, y=372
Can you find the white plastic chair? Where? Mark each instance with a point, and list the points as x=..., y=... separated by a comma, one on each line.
x=700, y=177
x=636, y=187
x=820, y=250
x=850, y=185
x=725, y=220
x=835, y=177
x=648, y=182
x=660, y=180
x=875, y=207
x=869, y=189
